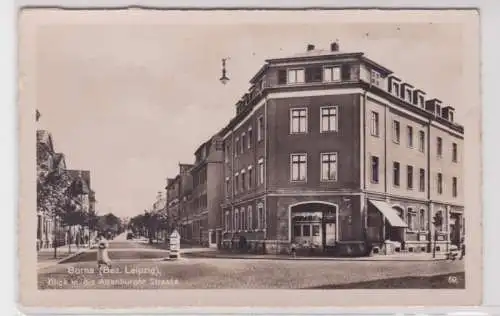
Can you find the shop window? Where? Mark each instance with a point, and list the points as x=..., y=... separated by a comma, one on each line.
x=315, y=230
x=306, y=231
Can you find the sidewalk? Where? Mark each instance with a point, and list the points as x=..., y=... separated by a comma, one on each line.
x=395, y=257
x=45, y=256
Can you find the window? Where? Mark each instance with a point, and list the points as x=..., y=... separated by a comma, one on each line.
x=375, y=129
x=236, y=220
x=226, y=220
x=306, y=230
x=315, y=230
x=375, y=78
x=439, y=145
x=331, y=74
x=396, y=132
x=295, y=76
x=438, y=110
x=421, y=141
x=450, y=116
x=454, y=187
x=395, y=89
x=374, y=169
x=329, y=119
x=242, y=219
x=345, y=72
x=250, y=137
x=395, y=174
x=454, y=153
x=298, y=121
x=409, y=132
x=236, y=146
x=440, y=183
x=423, y=225
x=261, y=171
x=260, y=128
x=411, y=220
x=421, y=183
x=282, y=76
x=242, y=147
x=243, y=178
x=328, y=167
x=298, y=166
x=249, y=218
x=226, y=153
x=228, y=187
x=408, y=95
x=261, y=216
x=314, y=74
x=409, y=177
x=250, y=177
x=236, y=182
x=421, y=101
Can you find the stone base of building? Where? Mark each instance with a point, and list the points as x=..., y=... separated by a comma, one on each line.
x=341, y=249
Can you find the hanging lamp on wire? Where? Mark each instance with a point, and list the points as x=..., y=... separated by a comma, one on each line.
x=224, y=79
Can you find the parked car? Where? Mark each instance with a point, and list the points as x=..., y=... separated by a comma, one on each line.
x=130, y=236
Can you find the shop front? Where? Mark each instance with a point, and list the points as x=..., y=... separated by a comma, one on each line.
x=386, y=228
x=314, y=226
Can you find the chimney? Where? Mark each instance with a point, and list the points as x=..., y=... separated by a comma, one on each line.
x=310, y=47
x=334, y=47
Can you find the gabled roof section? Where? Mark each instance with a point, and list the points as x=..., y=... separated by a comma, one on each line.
x=44, y=137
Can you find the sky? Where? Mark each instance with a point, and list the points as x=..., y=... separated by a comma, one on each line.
x=129, y=99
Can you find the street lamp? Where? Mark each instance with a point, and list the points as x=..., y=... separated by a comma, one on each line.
x=224, y=79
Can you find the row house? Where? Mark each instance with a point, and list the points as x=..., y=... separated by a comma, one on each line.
x=195, y=195
x=50, y=231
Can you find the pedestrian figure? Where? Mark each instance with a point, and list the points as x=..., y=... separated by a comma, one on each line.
x=462, y=248
x=293, y=249
x=103, y=260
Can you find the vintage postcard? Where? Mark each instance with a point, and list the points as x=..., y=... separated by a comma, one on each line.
x=249, y=158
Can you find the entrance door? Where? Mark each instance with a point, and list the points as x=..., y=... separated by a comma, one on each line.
x=330, y=234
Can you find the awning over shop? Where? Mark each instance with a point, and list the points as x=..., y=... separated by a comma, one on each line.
x=390, y=214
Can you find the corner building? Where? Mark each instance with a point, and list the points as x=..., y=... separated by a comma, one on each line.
x=333, y=152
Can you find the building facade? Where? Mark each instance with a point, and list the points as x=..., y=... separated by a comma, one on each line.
x=50, y=229
x=195, y=195
x=332, y=152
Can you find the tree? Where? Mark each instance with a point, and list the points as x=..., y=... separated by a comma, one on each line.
x=437, y=221
x=109, y=224
x=52, y=197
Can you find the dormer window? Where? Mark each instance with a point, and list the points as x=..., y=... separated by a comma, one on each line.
x=375, y=78
x=296, y=76
x=395, y=89
x=421, y=101
x=331, y=73
x=450, y=116
x=438, y=110
x=408, y=95
x=394, y=86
